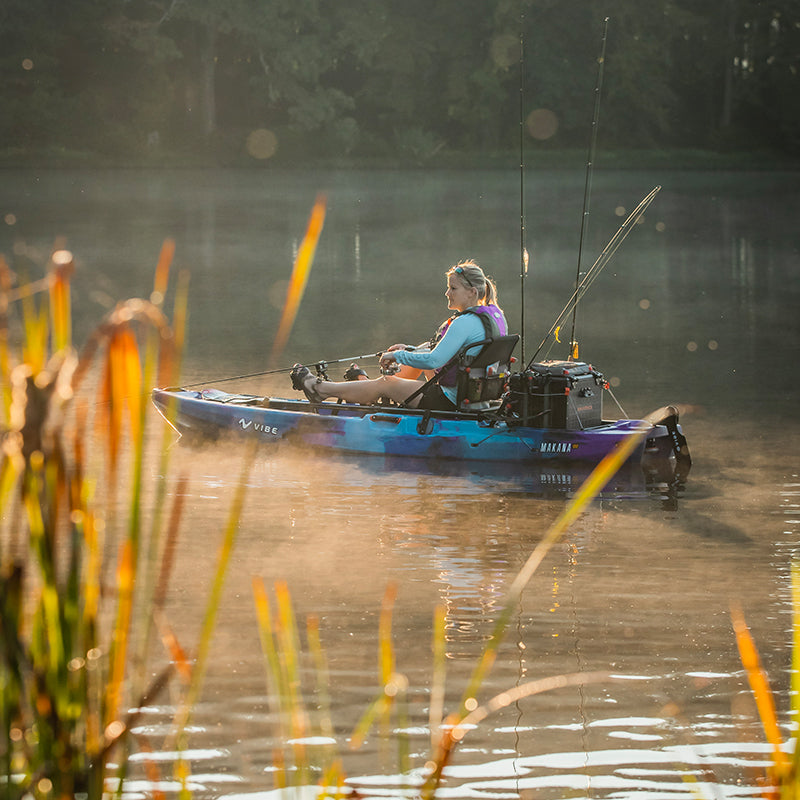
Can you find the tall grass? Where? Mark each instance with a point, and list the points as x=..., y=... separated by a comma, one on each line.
x=84, y=575
x=84, y=572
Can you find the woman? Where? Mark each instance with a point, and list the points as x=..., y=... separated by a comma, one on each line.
x=473, y=298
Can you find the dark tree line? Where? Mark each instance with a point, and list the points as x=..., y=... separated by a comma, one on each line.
x=413, y=78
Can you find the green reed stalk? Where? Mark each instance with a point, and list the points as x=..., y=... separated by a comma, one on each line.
x=280, y=644
x=67, y=663
x=212, y=608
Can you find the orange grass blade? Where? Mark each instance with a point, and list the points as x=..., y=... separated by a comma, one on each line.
x=161, y=280
x=290, y=650
x=125, y=580
x=168, y=554
x=386, y=657
x=34, y=348
x=60, y=308
x=759, y=685
x=171, y=644
x=795, y=681
x=793, y=789
x=5, y=356
x=436, y=710
x=110, y=412
x=376, y=708
x=169, y=368
x=300, y=273
x=130, y=383
x=264, y=617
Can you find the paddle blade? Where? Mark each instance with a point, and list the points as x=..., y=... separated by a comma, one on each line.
x=299, y=279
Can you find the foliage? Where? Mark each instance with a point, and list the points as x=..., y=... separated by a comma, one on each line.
x=363, y=77
x=782, y=777
x=75, y=631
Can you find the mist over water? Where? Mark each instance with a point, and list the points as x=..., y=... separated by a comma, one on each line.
x=698, y=308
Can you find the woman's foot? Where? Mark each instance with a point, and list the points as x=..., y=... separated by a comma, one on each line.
x=305, y=382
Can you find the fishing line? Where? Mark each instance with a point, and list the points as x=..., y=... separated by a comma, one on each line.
x=587, y=190
x=283, y=369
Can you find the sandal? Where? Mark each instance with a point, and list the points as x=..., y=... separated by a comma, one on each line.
x=301, y=376
x=354, y=373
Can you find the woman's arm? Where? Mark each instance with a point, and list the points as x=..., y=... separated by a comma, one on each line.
x=462, y=331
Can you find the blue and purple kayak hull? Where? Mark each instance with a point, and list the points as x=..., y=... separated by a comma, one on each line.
x=395, y=432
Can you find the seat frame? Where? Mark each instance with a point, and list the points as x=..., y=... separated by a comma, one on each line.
x=481, y=378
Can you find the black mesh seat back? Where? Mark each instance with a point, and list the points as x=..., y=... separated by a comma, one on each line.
x=482, y=379
x=497, y=350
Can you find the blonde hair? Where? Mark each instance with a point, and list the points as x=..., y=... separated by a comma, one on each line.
x=473, y=277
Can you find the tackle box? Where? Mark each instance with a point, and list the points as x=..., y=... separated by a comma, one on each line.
x=558, y=394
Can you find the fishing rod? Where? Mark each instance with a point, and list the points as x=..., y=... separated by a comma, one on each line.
x=613, y=245
x=285, y=369
x=523, y=254
x=587, y=189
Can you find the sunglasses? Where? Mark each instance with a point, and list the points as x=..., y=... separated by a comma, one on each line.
x=462, y=272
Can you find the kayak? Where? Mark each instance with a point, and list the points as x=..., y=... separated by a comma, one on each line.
x=510, y=433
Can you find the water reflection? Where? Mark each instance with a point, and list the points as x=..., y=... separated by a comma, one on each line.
x=622, y=591
x=639, y=586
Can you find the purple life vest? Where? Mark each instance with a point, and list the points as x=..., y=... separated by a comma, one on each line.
x=494, y=324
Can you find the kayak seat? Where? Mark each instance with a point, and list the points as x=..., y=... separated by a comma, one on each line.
x=481, y=379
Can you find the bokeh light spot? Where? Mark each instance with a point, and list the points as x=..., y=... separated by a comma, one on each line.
x=262, y=143
x=27, y=64
x=644, y=304
x=660, y=227
x=713, y=344
x=614, y=381
x=61, y=258
x=10, y=219
x=691, y=346
x=505, y=50
x=542, y=123
x=620, y=211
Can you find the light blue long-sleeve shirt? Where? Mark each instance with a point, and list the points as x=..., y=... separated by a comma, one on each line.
x=463, y=330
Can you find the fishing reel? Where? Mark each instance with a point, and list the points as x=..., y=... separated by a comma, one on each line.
x=322, y=370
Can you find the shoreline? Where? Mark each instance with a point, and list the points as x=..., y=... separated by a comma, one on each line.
x=674, y=159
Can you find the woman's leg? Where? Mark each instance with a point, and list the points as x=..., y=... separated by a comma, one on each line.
x=368, y=392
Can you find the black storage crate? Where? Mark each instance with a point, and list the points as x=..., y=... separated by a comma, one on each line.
x=558, y=394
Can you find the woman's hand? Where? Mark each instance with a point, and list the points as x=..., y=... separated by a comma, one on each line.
x=396, y=347
x=387, y=359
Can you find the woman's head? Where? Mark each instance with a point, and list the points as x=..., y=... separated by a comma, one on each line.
x=471, y=277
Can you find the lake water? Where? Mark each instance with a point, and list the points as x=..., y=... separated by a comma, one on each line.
x=698, y=308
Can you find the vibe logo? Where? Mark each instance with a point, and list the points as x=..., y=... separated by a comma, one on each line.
x=258, y=427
